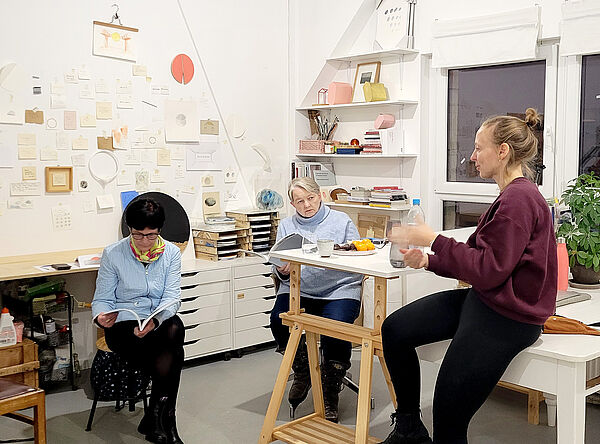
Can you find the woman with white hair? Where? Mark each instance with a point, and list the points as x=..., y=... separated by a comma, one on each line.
x=328, y=293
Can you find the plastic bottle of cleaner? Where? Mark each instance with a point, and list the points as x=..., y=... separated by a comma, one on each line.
x=8, y=334
x=563, y=264
x=416, y=216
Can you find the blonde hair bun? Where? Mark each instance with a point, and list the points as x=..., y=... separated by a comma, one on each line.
x=532, y=118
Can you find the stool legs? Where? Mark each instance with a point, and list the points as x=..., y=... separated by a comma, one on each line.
x=92, y=412
x=315, y=372
x=39, y=420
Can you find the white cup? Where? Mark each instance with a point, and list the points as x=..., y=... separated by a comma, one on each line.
x=325, y=247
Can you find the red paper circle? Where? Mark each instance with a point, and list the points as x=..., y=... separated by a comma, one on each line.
x=182, y=68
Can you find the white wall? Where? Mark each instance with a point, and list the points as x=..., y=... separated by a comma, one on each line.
x=243, y=46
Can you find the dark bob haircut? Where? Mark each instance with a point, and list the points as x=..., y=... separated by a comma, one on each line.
x=145, y=213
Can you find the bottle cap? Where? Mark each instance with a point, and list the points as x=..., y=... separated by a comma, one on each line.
x=5, y=310
x=416, y=201
x=560, y=240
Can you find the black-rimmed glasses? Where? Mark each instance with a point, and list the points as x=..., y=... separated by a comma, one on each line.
x=140, y=236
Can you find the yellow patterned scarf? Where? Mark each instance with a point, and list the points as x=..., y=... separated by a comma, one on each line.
x=152, y=254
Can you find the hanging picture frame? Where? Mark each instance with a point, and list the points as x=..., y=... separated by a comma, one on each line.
x=393, y=24
x=115, y=41
x=59, y=179
x=365, y=72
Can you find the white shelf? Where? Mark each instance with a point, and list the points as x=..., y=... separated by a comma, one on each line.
x=361, y=104
x=373, y=55
x=366, y=207
x=357, y=156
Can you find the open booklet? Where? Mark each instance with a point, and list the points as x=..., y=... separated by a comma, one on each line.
x=289, y=242
x=143, y=324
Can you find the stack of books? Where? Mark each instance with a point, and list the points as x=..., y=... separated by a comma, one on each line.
x=388, y=197
x=372, y=143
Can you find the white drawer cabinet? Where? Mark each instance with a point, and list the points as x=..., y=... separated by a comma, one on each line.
x=207, y=346
x=203, y=277
x=254, y=296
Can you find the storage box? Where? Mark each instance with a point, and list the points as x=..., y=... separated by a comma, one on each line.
x=384, y=121
x=19, y=362
x=312, y=147
x=339, y=93
x=374, y=92
x=391, y=141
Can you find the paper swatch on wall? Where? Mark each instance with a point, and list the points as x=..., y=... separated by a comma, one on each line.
x=142, y=180
x=83, y=181
x=121, y=138
x=80, y=143
x=29, y=173
x=70, y=120
x=111, y=40
x=86, y=91
x=20, y=203
x=11, y=109
x=149, y=139
x=105, y=143
x=87, y=121
x=126, y=197
x=203, y=157
x=209, y=127
x=26, y=189
x=48, y=154
x=62, y=141
x=181, y=121
x=33, y=116
x=103, y=110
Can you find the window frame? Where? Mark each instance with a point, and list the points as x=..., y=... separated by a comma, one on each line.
x=486, y=192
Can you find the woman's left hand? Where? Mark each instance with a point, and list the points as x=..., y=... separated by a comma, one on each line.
x=147, y=329
x=415, y=258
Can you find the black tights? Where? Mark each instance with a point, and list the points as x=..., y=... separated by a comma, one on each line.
x=483, y=345
x=159, y=353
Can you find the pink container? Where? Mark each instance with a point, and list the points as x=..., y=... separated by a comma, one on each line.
x=339, y=92
x=19, y=325
x=384, y=121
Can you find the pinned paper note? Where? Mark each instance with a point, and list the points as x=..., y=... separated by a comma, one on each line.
x=133, y=158
x=142, y=180
x=27, y=152
x=32, y=116
x=177, y=153
x=80, y=143
x=29, y=173
x=179, y=170
x=48, y=154
x=59, y=179
x=62, y=141
x=124, y=178
x=103, y=110
x=62, y=217
x=156, y=176
x=87, y=121
x=124, y=101
x=26, y=189
x=79, y=160
x=70, y=122
x=72, y=76
x=83, y=181
x=105, y=143
x=86, y=91
x=57, y=88
x=139, y=70
x=163, y=157
x=124, y=87
x=89, y=206
x=84, y=73
x=105, y=201
x=26, y=139
x=51, y=123
x=58, y=101
x=102, y=87
x=210, y=127
x=121, y=138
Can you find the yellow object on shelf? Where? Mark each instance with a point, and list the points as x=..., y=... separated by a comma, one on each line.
x=374, y=92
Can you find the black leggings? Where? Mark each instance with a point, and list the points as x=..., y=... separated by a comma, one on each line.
x=159, y=353
x=483, y=345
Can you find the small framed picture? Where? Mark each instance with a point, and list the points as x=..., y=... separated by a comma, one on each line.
x=59, y=179
x=365, y=72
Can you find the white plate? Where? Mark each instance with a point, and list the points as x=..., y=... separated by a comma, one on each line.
x=353, y=252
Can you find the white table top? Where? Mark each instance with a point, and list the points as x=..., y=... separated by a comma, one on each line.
x=377, y=264
x=574, y=348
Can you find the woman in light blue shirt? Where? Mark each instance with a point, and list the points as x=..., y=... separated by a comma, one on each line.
x=141, y=273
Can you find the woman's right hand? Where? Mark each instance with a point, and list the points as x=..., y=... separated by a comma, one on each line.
x=285, y=269
x=107, y=320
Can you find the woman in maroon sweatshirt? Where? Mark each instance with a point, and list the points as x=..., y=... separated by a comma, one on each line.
x=510, y=262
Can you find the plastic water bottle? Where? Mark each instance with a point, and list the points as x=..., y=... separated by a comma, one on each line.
x=8, y=333
x=415, y=216
x=563, y=264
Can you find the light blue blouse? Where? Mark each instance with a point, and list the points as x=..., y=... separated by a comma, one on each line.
x=124, y=282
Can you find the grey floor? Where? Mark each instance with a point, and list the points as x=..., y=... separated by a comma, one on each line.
x=225, y=402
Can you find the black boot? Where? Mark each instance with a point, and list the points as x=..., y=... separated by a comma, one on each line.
x=301, y=383
x=332, y=375
x=152, y=427
x=170, y=426
x=408, y=429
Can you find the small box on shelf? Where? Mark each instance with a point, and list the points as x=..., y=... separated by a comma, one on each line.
x=312, y=147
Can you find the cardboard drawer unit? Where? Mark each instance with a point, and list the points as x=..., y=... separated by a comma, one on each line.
x=254, y=296
x=262, y=227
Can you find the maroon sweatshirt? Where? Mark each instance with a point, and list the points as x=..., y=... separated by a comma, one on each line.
x=510, y=259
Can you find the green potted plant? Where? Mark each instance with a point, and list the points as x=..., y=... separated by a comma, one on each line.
x=582, y=233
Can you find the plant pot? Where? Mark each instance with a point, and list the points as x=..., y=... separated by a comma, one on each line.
x=583, y=275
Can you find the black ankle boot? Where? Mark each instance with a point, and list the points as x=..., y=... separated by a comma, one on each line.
x=152, y=422
x=332, y=375
x=301, y=383
x=408, y=429
x=170, y=426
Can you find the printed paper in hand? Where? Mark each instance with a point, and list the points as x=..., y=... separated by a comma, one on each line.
x=143, y=324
